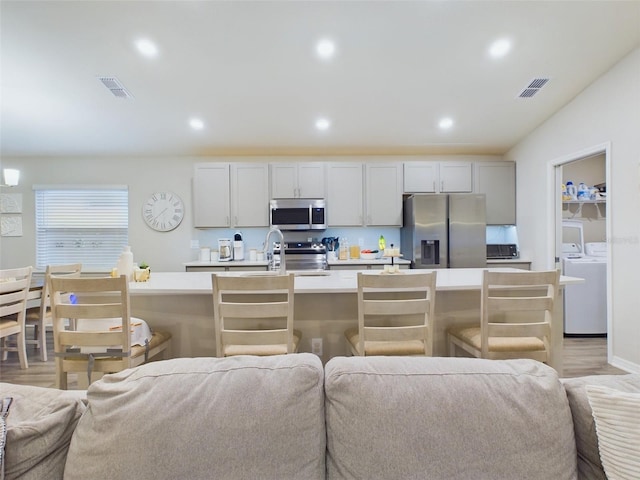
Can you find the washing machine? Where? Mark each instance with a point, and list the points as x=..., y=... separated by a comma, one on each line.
x=585, y=304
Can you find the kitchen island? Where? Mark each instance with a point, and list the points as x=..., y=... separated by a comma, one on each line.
x=325, y=306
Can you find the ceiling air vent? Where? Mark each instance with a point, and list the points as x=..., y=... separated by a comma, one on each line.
x=115, y=87
x=534, y=87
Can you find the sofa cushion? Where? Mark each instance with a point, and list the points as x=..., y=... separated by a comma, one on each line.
x=446, y=418
x=589, y=464
x=203, y=418
x=40, y=424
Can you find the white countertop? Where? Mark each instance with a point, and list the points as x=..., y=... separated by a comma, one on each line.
x=327, y=281
x=506, y=261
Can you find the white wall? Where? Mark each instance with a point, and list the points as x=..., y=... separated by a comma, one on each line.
x=607, y=111
x=163, y=251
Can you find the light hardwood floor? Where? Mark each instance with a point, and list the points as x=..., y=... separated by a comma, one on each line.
x=582, y=356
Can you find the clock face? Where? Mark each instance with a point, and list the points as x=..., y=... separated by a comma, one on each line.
x=163, y=211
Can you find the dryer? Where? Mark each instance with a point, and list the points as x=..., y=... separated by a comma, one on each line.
x=585, y=304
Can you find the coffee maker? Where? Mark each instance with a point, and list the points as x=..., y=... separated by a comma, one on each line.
x=224, y=247
x=238, y=247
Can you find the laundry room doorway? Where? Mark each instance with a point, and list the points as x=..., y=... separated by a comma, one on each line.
x=581, y=227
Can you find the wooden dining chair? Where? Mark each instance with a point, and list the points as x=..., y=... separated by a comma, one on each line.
x=395, y=315
x=97, y=349
x=253, y=315
x=14, y=288
x=516, y=317
x=40, y=317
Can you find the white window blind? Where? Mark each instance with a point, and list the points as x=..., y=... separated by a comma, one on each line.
x=87, y=225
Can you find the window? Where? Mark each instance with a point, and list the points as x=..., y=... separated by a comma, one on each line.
x=81, y=224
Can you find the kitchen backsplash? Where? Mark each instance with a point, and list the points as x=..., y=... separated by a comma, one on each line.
x=502, y=234
x=254, y=237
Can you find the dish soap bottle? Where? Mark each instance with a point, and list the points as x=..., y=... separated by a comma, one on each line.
x=381, y=243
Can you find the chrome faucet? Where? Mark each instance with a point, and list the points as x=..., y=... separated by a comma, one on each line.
x=283, y=267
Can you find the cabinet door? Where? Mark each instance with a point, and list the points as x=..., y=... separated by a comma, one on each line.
x=311, y=180
x=456, y=177
x=344, y=194
x=383, y=194
x=284, y=180
x=420, y=177
x=497, y=180
x=250, y=194
x=211, y=195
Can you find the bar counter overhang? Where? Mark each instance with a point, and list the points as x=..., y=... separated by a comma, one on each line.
x=325, y=306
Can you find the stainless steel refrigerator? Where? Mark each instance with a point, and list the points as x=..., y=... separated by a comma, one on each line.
x=445, y=231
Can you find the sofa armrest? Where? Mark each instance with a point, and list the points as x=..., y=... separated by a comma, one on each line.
x=40, y=424
x=589, y=463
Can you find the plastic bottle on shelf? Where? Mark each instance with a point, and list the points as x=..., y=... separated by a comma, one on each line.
x=125, y=263
x=572, y=191
x=583, y=191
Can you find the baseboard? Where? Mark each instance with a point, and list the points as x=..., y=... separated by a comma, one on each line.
x=625, y=365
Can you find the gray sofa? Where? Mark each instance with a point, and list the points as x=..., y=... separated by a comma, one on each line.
x=288, y=417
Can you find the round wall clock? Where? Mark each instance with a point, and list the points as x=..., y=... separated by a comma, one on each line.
x=163, y=211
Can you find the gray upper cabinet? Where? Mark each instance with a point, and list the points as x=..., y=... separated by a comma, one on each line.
x=250, y=194
x=230, y=195
x=497, y=180
x=211, y=207
x=345, y=200
x=383, y=193
x=298, y=180
x=438, y=177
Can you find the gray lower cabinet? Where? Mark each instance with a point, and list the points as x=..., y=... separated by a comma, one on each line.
x=230, y=268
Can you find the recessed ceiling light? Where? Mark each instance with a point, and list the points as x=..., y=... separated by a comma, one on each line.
x=445, y=123
x=500, y=48
x=326, y=48
x=323, y=124
x=147, y=48
x=196, y=124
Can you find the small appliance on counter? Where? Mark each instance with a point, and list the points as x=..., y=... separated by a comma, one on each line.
x=238, y=246
x=224, y=249
x=502, y=251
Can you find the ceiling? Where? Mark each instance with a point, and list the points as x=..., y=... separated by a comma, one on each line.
x=249, y=70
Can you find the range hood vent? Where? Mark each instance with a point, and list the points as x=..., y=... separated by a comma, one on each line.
x=115, y=87
x=534, y=87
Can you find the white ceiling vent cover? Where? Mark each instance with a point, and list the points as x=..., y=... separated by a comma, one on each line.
x=115, y=87
x=534, y=87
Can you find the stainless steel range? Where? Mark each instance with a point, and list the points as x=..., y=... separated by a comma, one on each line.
x=301, y=256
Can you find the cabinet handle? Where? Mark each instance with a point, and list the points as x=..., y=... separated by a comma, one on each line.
x=442, y=185
x=228, y=222
x=434, y=185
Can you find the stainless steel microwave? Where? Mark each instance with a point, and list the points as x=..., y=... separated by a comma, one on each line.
x=298, y=214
